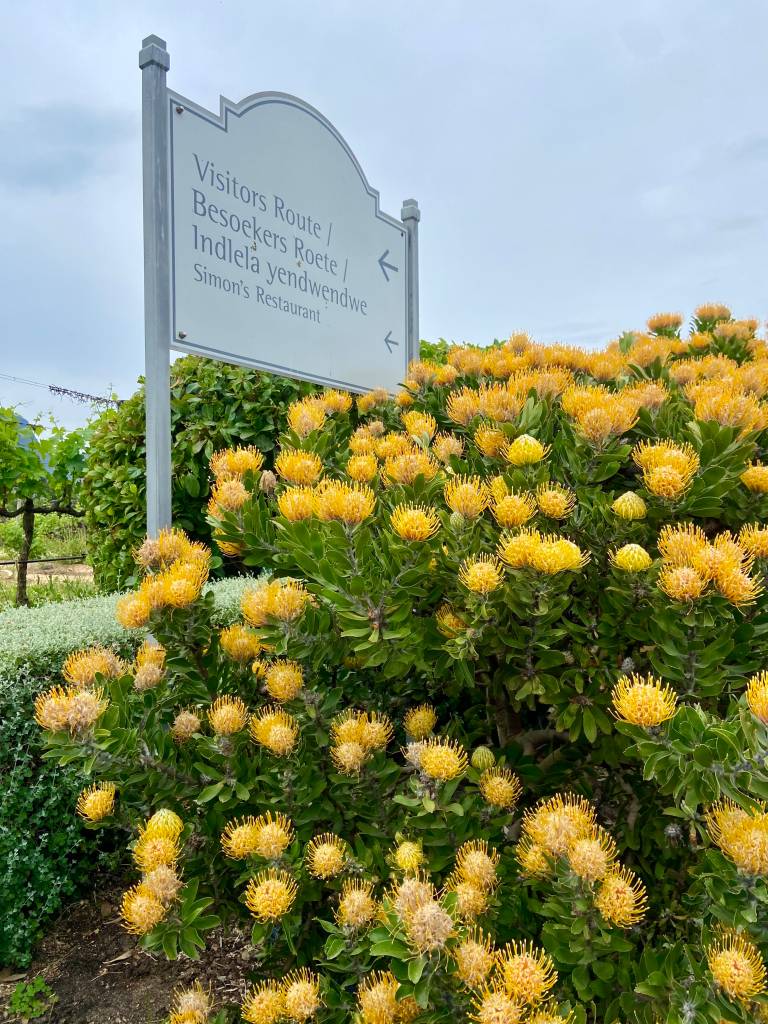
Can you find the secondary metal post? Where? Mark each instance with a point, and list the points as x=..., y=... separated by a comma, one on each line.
x=154, y=62
x=410, y=216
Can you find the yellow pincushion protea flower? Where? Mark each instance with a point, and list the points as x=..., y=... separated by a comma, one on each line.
x=738, y=587
x=270, y=895
x=236, y=462
x=377, y=396
x=755, y=478
x=141, y=910
x=420, y=721
x=264, y=1003
x=644, y=701
x=191, y=1005
x=681, y=456
x=592, y=856
x=296, y=503
x=665, y=323
x=512, y=510
x=447, y=446
x=754, y=539
x=475, y=958
x=185, y=725
x=306, y=415
x=482, y=574
x=527, y=972
x=350, y=504
x=554, y=554
x=393, y=443
x=284, y=680
x=404, y=399
x=163, y=882
x=428, y=927
x=377, y=998
x=476, y=863
x=362, y=468
x=757, y=696
x=556, y=823
x=420, y=425
x=631, y=558
x=181, y=585
x=408, y=856
x=298, y=467
x=326, y=855
x=409, y=466
x=96, y=802
x=442, y=759
x=667, y=482
x=227, y=495
x=621, y=898
x=630, y=506
x=301, y=995
x=81, y=668
x=517, y=549
x=349, y=757
x=239, y=642
x=489, y=440
x=155, y=847
x=357, y=907
x=533, y=859
x=227, y=715
x=288, y=601
x=682, y=544
x=463, y=406
x=681, y=583
x=500, y=787
x=555, y=500
x=414, y=522
x=69, y=707
x=275, y=729
x=266, y=836
x=335, y=401
x=471, y=899
x=741, y=835
x=164, y=822
x=132, y=611
x=466, y=495
x=525, y=451
x=494, y=1006
x=150, y=653
x=711, y=312
x=448, y=622
x=737, y=967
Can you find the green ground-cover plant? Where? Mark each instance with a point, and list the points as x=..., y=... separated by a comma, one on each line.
x=491, y=742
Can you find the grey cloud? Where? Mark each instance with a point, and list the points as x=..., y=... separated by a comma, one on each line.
x=56, y=148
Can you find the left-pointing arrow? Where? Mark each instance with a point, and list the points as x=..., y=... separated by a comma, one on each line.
x=382, y=261
x=389, y=341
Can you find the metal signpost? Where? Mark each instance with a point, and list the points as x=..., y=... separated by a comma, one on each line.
x=264, y=245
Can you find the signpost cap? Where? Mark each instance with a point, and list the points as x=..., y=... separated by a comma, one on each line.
x=153, y=51
x=410, y=210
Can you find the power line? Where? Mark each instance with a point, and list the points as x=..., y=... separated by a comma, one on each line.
x=82, y=397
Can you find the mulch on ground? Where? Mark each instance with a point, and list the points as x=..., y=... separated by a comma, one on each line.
x=99, y=976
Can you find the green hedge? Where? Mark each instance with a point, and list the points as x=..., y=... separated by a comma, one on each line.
x=213, y=405
x=45, y=852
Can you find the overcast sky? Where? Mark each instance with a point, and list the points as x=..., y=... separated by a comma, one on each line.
x=579, y=165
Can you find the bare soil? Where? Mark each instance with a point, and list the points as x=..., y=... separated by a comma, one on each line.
x=99, y=976
x=42, y=572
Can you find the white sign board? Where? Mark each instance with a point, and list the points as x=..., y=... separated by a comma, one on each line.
x=280, y=256
x=264, y=245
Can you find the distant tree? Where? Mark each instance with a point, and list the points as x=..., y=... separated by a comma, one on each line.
x=40, y=473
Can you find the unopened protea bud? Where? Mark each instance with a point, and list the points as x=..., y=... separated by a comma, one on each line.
x=482, y=758
x=268, y=482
